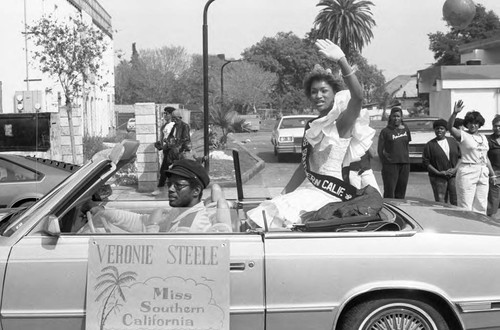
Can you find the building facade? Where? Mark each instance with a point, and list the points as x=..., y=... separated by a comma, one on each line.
x=24, y=88
x=476, y=81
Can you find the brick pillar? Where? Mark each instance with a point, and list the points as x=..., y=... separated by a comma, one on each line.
x=147, y=154
x=65, y=142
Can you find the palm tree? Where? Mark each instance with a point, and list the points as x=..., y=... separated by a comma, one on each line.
x=227, y=120
x=111, y=282
x=348, y=23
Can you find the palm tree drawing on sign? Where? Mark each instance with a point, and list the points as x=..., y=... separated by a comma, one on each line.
x=110, y=283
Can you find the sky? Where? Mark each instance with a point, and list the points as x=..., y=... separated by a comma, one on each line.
x=400, y=44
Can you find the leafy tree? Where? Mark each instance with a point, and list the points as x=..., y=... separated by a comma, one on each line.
x=290, y=58
x=248, y=85
x=189, y=85
x=137, y=82
x=161, y=68
x=123, y=76
x=70, y=51
x=445, y=46
x=371, y=78
x=348, y=23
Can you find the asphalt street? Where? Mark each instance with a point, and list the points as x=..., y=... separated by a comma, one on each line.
x=271, y=180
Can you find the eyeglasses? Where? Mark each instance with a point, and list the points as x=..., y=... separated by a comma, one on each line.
x=177, y=186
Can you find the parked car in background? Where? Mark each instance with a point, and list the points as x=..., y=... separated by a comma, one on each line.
x=24, y=179
x=287, y=134
x=131, y=125
x=421, y=133
x=252, y=122
x=425, y=265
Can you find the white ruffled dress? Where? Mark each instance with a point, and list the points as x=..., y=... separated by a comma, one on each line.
x=330, y=153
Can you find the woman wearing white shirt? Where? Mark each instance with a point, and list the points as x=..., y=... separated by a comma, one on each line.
x=475, y=168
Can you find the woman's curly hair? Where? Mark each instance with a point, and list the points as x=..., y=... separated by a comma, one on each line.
x=473, y=117
x=320, y=74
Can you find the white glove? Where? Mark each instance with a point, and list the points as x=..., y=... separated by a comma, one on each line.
x=329, y=49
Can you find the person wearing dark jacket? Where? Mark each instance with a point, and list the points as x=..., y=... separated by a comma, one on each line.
x=174, y=145
x=441, y=156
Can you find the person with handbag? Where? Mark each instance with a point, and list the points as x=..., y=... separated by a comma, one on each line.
x=175, y=139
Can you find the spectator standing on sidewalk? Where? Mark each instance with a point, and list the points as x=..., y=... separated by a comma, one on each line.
x=162, y=145
x=393, y=143
x=175, y=144
x=494, y=157
x=475, y=167
x=441, y=156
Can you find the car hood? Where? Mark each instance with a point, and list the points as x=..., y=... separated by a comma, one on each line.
x=295, y=132
x=445, y=218
x=418, y=137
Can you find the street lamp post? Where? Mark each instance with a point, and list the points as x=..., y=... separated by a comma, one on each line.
x=205, y=86
x=222, y=57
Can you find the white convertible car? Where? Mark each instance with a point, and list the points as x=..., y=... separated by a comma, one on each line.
x=435, y=268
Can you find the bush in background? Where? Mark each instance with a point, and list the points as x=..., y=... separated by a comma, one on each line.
x=91, y=146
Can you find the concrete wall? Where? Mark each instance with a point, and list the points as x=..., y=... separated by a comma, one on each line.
x=147, y=154
x=440, y=104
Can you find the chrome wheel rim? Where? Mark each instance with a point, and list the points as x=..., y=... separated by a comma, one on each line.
x=398, y=317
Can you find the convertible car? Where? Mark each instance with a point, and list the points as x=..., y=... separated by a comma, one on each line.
x=435, y=268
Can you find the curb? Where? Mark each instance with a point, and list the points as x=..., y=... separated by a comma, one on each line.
x=247, y=175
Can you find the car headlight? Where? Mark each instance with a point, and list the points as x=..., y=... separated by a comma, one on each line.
x=286, y=138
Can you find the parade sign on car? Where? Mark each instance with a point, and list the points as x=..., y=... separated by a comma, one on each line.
x=158, y=284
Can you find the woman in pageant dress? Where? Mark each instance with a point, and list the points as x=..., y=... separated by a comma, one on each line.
x=340, y=135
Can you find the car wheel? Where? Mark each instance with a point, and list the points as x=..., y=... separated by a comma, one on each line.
x=393, y=313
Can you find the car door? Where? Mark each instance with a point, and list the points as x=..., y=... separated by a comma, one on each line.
x=310, y=275
x=46, y=279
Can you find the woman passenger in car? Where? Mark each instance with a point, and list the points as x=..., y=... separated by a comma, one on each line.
x=475, y=167
x=336, y=138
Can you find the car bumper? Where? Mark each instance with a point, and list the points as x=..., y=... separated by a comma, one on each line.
x=289, y=148
x=415, y=158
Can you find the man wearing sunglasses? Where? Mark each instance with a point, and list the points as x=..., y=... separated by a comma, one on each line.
x=186, y=180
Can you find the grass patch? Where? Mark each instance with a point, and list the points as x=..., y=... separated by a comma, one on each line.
x=223, y=169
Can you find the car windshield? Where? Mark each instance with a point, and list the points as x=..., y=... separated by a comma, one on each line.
x=420, y=125
x=294, y=122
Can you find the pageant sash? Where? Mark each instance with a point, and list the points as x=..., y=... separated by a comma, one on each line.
x=329, y=184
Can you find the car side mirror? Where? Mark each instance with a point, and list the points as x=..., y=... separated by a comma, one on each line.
x=52, y=226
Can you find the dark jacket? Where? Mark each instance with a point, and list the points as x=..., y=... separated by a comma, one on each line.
x=179, y=137
x=434, y=155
